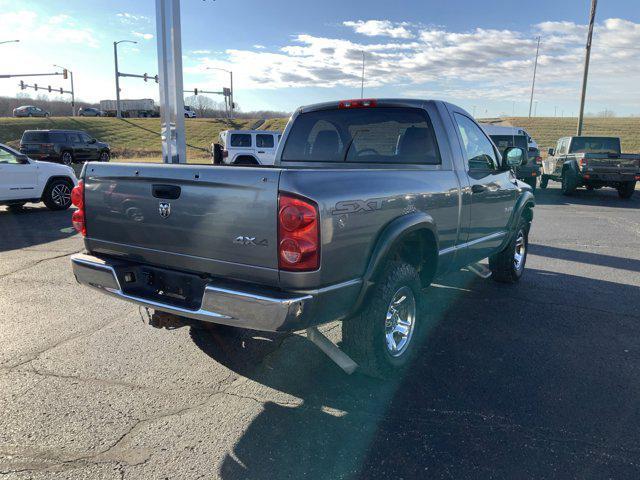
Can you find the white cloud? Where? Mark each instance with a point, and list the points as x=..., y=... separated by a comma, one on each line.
x=145, y=36
x=481, y=63
x=201, y=52
x=380, y=28
x=60, y=29
x=259, y=47
x=130, y=18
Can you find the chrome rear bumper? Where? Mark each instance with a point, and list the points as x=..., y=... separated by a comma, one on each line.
x=276, y=311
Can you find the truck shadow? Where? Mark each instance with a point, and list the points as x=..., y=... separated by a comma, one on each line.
x=33, y=225
x=621, y=263
x=511, y=382
x=603, y=197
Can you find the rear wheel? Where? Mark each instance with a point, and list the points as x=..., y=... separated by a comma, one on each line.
x=104, y=156
x=626, y=189
x=508, y=265
x=382, y=338
x=66, y=158
x=57, y=194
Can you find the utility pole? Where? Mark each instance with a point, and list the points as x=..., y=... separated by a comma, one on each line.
x=73, y=95
x=231, y=101
x=533, y=83
x=115, y=59
x=592, y=19
x=362, y=78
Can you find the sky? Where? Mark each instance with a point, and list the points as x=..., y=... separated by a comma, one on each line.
x=287, y=53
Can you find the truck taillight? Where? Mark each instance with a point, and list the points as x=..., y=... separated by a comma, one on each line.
x=77, y=198
x=298, y=234
x=583, y=162
x=538, y=160
x=358, y=103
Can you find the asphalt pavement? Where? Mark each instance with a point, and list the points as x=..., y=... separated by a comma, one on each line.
x=535, y=380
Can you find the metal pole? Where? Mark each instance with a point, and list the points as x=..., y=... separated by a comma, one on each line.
x=232, y=101
x=73, y=98
x=362, y=81
x=533, y=84
x=115, y=57
x=174, y=148
x=592, y=19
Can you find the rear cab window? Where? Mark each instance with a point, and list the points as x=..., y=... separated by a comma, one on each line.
x=595, y=145
x=395, y=135
x=240, y=140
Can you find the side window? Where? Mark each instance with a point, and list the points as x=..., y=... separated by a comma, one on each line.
x=264, y=141
x=562, y=146
x=57, y=137
x=73, y=137
x=241, y=140
x=479, y=149
x=8, y=157
x=85, y=138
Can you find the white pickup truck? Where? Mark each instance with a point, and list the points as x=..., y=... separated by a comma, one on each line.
x=24, y=180
x=246, y=147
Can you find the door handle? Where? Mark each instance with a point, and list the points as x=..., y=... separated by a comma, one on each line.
x=167, y=192
x=260, y=151
x=478, y=188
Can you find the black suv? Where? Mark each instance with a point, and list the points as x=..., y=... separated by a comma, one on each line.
x=65, y=146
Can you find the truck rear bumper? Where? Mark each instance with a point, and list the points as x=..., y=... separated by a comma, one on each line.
x=227, y=304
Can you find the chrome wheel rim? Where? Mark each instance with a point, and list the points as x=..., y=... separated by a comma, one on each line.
x=66, y=158
x=520, y=251
x=400, y=322
x=61, y=195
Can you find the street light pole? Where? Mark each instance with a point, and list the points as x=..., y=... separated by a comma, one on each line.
x=533, y=84
x=115, y=58
x=232, y=106
x=592, y=19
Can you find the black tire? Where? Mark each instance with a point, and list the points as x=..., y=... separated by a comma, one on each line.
x=57, y=194
x=504, y=265
x=30, y=115
x=105, y=156
x=544, y=181
x=590, y=188
x=531, y=181
x=569, y=184
x=66, y=158
x=626, y=190
x=364, y=336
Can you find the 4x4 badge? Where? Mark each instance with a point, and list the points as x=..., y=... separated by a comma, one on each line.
x=164, y=208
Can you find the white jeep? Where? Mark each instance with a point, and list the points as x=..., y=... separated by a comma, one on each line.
x=25, y=180
x=246, y=147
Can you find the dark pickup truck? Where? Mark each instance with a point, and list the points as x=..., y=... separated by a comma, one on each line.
x=592, y=162
x=368, y=202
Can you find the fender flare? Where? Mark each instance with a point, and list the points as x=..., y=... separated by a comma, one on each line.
x=386, y=241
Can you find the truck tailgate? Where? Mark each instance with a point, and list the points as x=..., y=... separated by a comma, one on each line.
x=215, y=220
x=624, y=163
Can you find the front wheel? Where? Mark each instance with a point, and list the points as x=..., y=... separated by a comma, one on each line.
x=383, y=337
x=626, y=190
x=508, y=265
x=57, y=195
x=544, y=181
x=568, y=183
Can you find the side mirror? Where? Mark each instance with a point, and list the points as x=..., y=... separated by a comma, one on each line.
x=513, y=157
x=22, y=158
x=93, y=140
x=551, y=151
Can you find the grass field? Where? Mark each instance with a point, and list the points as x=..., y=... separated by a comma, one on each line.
x=139, y=138
x=547, y=130
x=129, y=138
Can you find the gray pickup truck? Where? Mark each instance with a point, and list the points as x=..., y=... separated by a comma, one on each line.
x=592, y=162
x=368, y=202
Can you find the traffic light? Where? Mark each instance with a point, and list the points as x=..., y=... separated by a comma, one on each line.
x=226, y=92
x=195, y=91
x=35, y=86
x=145, y=77
x=64, y=73
x=22, y=87
x=61, y=92
x=49, y=88
x=156, y=78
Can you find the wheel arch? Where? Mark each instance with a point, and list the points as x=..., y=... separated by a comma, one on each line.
x=249, y=158
x=412, y=238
